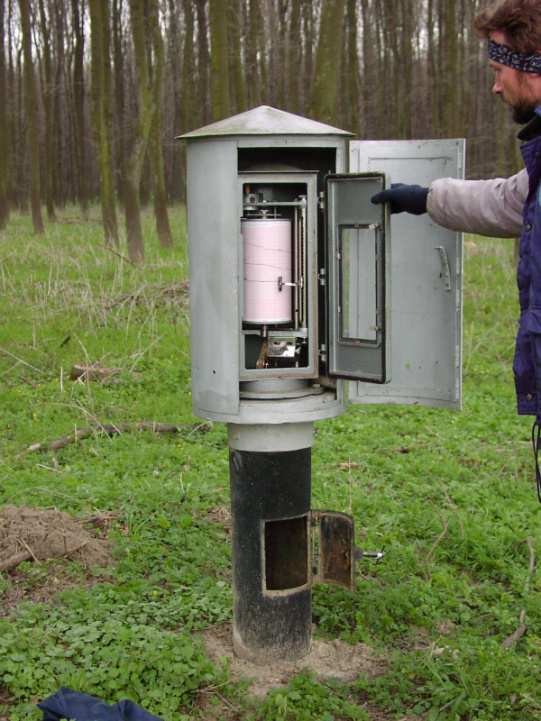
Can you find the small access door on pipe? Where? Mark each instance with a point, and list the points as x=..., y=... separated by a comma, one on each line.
x=426, y=271
x=358, y=259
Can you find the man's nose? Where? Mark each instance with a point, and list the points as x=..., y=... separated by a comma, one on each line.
x=497, y=88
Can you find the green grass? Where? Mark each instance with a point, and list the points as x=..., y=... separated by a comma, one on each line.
x=448, y=496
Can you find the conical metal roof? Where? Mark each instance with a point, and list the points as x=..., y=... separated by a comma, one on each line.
x=264, y=120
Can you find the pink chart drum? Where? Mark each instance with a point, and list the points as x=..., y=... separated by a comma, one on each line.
x=267, y=267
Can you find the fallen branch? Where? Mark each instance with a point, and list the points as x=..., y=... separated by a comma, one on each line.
x=519, y=632
x=14, y=560
x=92, y=372
x=118, y=255
x=110, y=430
x=172, y=292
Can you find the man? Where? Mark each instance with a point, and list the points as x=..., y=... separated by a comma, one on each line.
x=499, y=207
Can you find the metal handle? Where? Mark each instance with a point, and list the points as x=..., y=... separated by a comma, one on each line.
x=445, y=273
x=281, y=284
x=370, y=555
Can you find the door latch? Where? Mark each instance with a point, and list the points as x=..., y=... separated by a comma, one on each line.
x=445, y=273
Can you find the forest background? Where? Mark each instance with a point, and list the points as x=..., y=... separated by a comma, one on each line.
x=93, y=93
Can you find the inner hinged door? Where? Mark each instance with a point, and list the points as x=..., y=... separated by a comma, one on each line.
x=357, y=256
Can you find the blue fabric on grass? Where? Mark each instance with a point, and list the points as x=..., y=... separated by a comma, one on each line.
x=68, y=704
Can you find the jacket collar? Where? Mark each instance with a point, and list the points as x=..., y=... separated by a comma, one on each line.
x=533, y=128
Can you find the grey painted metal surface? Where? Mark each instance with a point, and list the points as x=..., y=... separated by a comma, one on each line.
x=350, y=217
x=214, y=230
x=285, y=437
x=296, y=410
x=214, y=209
x=426, y=267
x=265, y=120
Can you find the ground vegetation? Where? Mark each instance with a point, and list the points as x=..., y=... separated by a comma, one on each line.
x=451, y=617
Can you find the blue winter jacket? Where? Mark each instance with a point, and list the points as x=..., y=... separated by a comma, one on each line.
x=527, y=362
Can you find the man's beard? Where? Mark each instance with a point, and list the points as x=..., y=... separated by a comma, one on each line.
x=523, y=112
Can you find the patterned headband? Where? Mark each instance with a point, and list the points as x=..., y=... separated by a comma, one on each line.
x=519, y=61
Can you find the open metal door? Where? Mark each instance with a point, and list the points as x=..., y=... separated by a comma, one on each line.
x=357, y=290
x=333, y=548
x=426, y=273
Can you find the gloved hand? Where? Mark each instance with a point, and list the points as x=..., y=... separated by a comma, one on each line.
x=403, y=198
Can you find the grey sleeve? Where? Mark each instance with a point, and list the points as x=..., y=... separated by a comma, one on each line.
x=486, y=207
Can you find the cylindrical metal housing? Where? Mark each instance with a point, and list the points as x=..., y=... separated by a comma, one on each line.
x=267, y=268
x=270, y=504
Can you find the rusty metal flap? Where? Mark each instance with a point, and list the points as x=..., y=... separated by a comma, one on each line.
x=333, y=550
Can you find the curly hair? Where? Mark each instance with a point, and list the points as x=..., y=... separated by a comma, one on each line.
x=519, y=20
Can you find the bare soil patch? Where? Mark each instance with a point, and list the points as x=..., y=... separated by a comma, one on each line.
x=327, y=660
x=40, y=534
x=48, y=537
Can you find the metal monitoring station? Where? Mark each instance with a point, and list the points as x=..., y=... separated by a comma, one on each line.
x=305, y=297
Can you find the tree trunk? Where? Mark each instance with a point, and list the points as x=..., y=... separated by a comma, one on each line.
x=294, y=60
x=31, y=103
x=308, y=54
x=143, y=125
x=406, y=59
x=119, y=93
x=79, y=101
x=253, y=85
x=4, y=137
x=181, y=94
x=219, y=49
x=156, y=151
x=47, y=93
x=327, y=71
x=450, y=102
x=101, y=101
x=350, y=86
x=235, y=56
x=203, y=61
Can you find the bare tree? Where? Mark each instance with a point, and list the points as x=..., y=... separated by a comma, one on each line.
x=143, y=125
x=31, y=105
x=156, y=150
x=120, y=68
x=324, y=97
x=101, y=102
x=4, y=204
x=203, y=61
x=219, y=58
x=78, y=81
x=236, y=70
x=48, y=95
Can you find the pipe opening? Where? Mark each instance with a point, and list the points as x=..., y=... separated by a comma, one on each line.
x=286, y=554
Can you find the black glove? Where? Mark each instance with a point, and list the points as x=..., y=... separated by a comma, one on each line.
x=404, y=198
